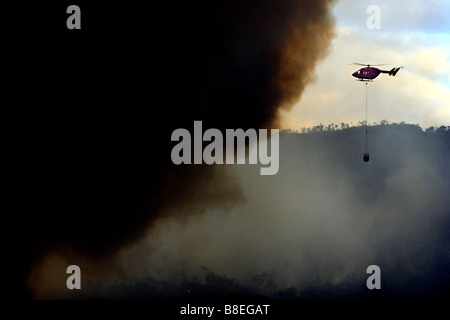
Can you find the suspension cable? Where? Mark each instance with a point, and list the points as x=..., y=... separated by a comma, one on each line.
x=366, y=147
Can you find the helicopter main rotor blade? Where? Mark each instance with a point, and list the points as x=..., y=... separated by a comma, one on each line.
x=369, y=64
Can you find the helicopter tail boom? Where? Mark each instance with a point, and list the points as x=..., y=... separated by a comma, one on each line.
x=391, y=72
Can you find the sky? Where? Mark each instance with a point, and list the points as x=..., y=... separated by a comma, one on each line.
x=412, y=34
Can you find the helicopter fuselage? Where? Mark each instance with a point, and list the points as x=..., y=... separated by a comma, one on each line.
x=366, y=74
x=369, y=73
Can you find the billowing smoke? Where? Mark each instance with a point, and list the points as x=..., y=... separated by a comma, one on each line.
x=95, y=131
x=310, y=231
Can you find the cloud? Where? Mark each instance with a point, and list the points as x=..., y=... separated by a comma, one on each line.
x=397, y=16
x=418, y=94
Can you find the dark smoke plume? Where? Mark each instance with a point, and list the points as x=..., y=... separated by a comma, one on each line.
x=97, y=108
x=308, y=232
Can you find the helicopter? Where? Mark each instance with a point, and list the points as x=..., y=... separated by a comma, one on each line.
x=369, y=73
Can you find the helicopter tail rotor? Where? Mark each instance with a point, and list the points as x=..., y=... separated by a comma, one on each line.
x=394, y=71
